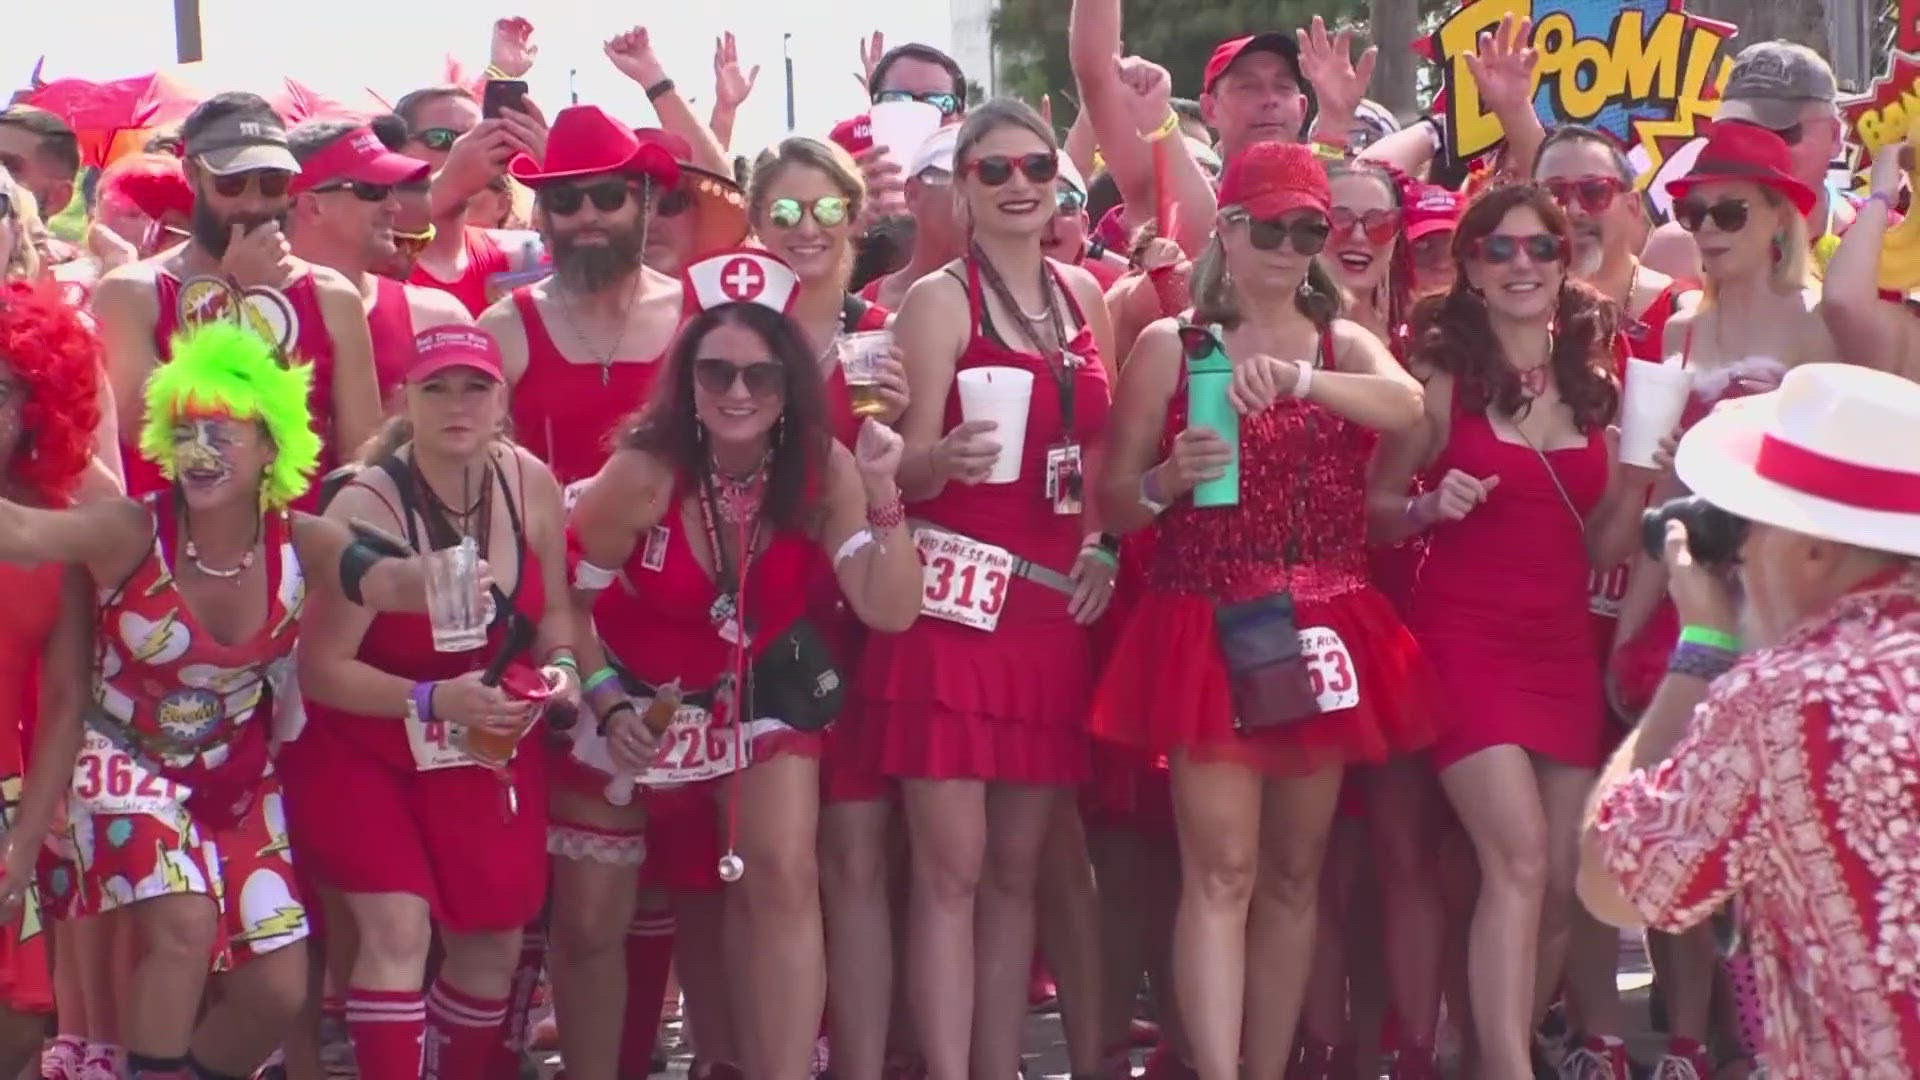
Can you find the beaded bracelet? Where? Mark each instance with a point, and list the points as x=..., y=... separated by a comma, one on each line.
x=887, y=515
x=1703, y=662
x=1707, y=635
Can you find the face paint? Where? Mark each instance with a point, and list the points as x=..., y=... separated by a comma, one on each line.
x=200, y=448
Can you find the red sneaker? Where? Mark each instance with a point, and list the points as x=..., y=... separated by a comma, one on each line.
x=1597, y=1057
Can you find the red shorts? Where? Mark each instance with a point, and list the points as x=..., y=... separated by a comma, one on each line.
x=366, y=825
x=683, y=840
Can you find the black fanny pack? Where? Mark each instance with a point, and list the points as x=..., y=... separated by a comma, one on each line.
x=1266, y=670
x=795, y=680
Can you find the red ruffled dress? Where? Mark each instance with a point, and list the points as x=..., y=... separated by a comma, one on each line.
x=1501, y=604
x=1300, y=525
x=950, y=702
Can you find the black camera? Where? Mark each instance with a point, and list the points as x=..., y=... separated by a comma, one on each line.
x=1713, y=534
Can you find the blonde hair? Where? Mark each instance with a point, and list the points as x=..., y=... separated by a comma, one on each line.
x=1793, y=270
x=23, y=262
x=1215, y=301
x=826, y=157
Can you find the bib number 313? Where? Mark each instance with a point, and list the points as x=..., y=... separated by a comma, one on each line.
x=965, y=581
x=1331, y=668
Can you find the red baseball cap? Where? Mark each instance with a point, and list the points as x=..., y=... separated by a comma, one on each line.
x=1282, y=45
x=854, y=134
x=455, y=345
x=1433, y=209
x=1271, y=178
x=359, y=155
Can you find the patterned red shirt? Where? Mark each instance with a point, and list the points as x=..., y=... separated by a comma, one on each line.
x=1797, y=790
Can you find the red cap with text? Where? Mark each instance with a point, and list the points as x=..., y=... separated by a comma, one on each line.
x=1433, y=209
x=454, y=345
x=360, y=156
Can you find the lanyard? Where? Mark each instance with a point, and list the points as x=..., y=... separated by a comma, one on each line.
x=726, y=582
x=1056, y=360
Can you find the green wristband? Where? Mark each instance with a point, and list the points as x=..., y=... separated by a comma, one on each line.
x=1707, y=635
x=599, y=678
x=1102, y=554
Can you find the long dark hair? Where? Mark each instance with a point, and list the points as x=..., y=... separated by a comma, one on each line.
x=1452, y=333
x=668, y=428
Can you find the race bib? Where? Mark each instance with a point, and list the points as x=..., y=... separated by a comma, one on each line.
x=693, y=749
x=1605, y=591
x=108, y=781
x=431, y=746
x=1331, y=668
x=965, y=580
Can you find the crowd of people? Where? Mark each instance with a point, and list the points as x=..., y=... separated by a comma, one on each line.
x=473, y=560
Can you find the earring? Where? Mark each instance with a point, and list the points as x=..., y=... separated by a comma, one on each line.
x=1305, y=290
x=779, y=430
x=1779, y=246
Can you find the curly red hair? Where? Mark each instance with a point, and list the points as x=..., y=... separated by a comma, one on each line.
x=55, y=354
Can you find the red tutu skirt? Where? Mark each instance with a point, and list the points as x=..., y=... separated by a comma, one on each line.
x=948, y=702
x=1165, y=689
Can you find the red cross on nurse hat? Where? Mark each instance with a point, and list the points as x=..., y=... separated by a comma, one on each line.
x=741, y=275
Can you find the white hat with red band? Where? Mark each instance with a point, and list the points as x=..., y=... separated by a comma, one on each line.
x=740, y=276
x=1830, y=454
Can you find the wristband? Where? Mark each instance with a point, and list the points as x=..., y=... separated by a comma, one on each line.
x=1327, y=151
x=421, y=701
x=496, y=73
x=1882, y=198
x=1414, y=515
x=1708, y=636
x=590, y=578
x=563, y=657
x=660, y=89
x=1703, y=662
x=1109, y=542
x=854, y=545
x=602, y=719
x=1167, y=127
x=1305, y=381
x=887, y=515
x=356, y=559
x=1153, y=505
x=599, y=679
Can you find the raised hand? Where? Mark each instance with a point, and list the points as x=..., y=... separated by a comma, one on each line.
x=730, y=87
x=877, y=451
x=1149, y=88
x=871, y=50
x=1338, y=80
x=632, y=55
x=513, y=49
x=1503, y=63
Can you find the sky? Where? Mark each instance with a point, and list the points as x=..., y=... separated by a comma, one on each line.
x=115, y=38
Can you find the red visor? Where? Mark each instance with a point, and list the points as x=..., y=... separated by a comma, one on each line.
x=359, y=155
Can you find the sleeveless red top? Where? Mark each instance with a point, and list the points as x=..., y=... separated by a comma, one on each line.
x=484, y=259
x=311, y=344
x=1641, y=338
x=390, y=323
x=563, y=411
x=33, y=609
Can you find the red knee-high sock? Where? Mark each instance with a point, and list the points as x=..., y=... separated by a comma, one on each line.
x=386, y=1027
x=462, y=1032
x=505, y=1061
x=649, y=958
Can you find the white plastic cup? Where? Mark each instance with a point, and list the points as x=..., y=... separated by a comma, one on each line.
x=1656, y=395
x=999, y=394
x=901, y=126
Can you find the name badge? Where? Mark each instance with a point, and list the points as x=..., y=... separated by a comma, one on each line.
x=1330, y=666
x=965, y=580
x=694, y=749
x=109, y=781
x=1605, y=591
x=654, y=555
x=431, y=746
x=1066, y=479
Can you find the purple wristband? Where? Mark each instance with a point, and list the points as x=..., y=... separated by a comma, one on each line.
x=1705, y=662
x=423, y=701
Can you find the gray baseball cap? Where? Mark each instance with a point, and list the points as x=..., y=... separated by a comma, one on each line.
x=1773, y=82
x=237, y=144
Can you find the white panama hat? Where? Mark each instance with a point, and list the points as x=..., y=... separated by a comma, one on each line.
x=1834, y=453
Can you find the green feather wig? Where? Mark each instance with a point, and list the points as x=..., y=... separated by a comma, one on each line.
x=222, y=369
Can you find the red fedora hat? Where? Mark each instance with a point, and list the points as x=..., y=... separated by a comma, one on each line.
x=585, y=141
x=1738, y=150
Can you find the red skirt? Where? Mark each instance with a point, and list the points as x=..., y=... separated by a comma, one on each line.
x=1165, y=689
x=948, y=702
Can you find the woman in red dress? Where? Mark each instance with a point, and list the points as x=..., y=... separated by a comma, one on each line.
x=804, y=200
x=719, y=498
x=980, y=708
x=462, y=846
x=49, y=381
x=1311, y=391
x=1525, y=497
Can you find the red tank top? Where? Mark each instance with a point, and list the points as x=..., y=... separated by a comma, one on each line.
x=1018, y=516
x=390, y=323
x=1641, y=338
x=563, y=411
x=484, y=259
x=402, y=644
x=33, y=609
x=311, y=344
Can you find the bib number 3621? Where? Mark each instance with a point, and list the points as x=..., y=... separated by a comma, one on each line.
x=965, y=581
x=1331, y=668
x=110, y=782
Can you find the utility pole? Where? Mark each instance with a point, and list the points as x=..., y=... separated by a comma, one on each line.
x=187, y=46
x=786, y=48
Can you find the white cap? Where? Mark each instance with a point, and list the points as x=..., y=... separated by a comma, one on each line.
x=936, y=152
x=740, y=276
x=1070, y=174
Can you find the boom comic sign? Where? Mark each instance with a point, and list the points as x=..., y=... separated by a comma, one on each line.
x=1609, y=64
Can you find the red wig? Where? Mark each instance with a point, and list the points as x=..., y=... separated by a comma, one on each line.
x=154, y=184
x=58, y=359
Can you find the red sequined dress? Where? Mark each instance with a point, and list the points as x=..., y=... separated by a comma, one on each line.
x=1501, y=605
x=952, y=702
x=1300, y=526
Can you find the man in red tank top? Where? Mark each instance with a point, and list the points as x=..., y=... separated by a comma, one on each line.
x=242, y=173
x=346, y=197
x=580, y=346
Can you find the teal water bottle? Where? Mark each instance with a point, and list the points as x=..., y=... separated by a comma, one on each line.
x=1208, y=378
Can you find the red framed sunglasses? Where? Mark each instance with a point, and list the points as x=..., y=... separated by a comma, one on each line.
x=1593, y=193
x=1378, y=226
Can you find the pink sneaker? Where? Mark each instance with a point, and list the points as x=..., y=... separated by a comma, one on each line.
x=1685, y=1059
x=60, y=1058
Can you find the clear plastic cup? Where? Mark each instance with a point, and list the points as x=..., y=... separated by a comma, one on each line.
x=454, y=605
x=860, y=356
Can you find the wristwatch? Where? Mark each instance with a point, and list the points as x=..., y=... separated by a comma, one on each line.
x=1146, y=498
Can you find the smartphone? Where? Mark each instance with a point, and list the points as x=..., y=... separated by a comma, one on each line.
x=503, y=94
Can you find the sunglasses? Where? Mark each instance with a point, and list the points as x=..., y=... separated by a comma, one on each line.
x=767, y=378
x=1069, y=201
x=1729, y=215
x=673, y=203
x=948, y=104
x=1593, y=193
x=1503, y=247
x=362, y=190
x=996, y=169
x=565, y=200
x=437, y=138
x=826, y=211
x=271, y=183
x=1378, y=226
x=1198, y=342
x=1307, y=232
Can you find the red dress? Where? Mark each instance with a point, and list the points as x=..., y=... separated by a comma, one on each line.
x=33, y=610
x=563, y=411
x=1300, y=526
x=1501, y=605
x=447, y=831
x=484, y=259
x=953, y=702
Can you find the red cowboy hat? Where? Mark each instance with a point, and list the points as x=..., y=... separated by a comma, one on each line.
x=584, y=141
x=1737, y=150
